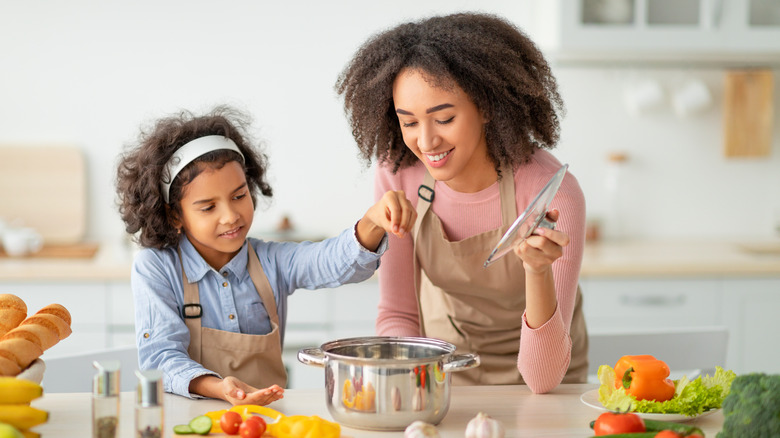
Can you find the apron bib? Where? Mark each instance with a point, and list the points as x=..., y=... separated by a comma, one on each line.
x=254, y=359
x=479, y=310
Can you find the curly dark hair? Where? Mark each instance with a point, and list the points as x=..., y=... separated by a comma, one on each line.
x=495, y=63
x=141, y=167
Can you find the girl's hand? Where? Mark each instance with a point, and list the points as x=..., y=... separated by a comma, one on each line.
x=543, y=247
x=237, y=392
x=393, y=214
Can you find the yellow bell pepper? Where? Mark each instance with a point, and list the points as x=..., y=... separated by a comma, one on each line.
x=294, y=426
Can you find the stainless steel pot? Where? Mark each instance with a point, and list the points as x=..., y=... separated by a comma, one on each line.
x=386, y=383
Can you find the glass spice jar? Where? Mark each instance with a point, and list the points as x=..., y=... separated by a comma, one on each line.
x=105, y=399
x=149, y=405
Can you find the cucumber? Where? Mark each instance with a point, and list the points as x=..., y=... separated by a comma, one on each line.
x=630, y=435
x=682, y=429
x=182, y=429
x=201, y=425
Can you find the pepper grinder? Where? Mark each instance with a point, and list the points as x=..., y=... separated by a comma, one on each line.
x=149, y=404
x=105, y=399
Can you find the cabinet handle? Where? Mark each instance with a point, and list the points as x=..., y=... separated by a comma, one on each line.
x=652, y=300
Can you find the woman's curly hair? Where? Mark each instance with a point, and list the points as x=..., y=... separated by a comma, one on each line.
x=141, y=169
x=496, y=64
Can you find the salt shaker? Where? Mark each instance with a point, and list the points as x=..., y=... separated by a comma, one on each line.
x=149, y=404
x=105, y=399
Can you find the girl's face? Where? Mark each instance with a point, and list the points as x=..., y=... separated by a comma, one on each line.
x=445, y=130
x=217, y=211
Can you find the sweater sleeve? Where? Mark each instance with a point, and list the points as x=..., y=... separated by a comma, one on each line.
x=397, y=310
x=545, y=352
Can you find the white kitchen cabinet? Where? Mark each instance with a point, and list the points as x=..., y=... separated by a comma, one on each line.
x=746, y=306
x=741, y=32
x=316, y=317
x=751, y=312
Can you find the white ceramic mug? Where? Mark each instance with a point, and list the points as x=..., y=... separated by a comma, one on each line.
x=691, y=98
x=21, y=241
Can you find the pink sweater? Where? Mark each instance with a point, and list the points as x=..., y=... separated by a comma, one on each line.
x=544, y=352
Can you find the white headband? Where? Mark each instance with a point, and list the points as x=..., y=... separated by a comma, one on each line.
x=189, y=152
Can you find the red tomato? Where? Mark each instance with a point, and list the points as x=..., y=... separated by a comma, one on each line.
x=610, y=423
x=667, y=434
x=252, y=427
x=230, y=422
x=695, y=435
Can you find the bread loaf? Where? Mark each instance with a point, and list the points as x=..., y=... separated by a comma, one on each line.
x=13, y=310
x=21, y=350
x=23, y=339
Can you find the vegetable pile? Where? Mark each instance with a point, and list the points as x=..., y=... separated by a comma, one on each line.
x=630, y=425
x=752, y=408
x=241, y=419
x=690, y=398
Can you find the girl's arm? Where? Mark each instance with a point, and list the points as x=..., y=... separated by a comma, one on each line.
x=392, y=213
x=162, y=336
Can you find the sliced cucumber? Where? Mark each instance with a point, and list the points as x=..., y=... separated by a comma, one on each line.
x=201, y=425
x=183, y=429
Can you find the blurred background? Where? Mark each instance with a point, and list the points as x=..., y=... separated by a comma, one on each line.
x=670, y=128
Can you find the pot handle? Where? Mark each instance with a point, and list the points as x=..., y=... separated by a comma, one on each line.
x=311, y=356
x=461, y=362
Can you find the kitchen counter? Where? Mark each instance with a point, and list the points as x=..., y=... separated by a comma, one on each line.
x=559, y=413
x=603, y=259
x=674, y=258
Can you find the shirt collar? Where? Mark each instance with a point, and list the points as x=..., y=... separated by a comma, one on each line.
x=196, y=267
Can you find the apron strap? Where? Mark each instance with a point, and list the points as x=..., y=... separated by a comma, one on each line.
x=257, y=274
x=192, y=313
x=425, y=195
x=506, y=190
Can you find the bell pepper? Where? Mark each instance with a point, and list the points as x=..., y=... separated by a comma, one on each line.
x=644, y=377
x=293, y=426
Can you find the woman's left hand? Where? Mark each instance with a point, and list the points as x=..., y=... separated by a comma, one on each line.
x=543, y=247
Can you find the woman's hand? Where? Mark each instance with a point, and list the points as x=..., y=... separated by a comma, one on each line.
x=542, y=248
x=237, y=392
x=393, y=214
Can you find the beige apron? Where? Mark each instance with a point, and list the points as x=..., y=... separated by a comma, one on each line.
x=254, y=359
x=475, y=308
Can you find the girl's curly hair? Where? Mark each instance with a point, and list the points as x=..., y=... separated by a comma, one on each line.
x=141, y=167
x=495, y=63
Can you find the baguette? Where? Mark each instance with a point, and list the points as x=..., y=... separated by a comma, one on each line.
x=51, y=322
x=45, y=337
x=20, y=350
x=13, y=311
x=57, y=310
x=9, y=367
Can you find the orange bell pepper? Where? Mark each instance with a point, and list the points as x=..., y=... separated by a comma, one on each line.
x=644, y=377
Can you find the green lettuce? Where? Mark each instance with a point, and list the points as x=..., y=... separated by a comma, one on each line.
x=691, y=397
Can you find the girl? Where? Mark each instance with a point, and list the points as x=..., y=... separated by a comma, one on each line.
x=210, y=303
x=460, y=110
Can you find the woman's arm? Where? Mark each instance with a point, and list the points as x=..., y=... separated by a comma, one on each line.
x=545, y=343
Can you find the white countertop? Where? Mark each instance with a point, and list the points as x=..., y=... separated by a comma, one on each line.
x=524, y=414
x=604, y=259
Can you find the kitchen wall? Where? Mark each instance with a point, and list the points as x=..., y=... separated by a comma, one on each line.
x=90, y=72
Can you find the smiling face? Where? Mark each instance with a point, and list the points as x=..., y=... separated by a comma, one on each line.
x=445, y=130
x=217, y=211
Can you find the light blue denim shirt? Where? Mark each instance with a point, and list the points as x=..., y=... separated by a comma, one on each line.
x=161, y=334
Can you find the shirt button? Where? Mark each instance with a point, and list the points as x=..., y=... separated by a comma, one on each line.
x=224, y=284
x=231, y=316
x=146, y=335
x=225, y=274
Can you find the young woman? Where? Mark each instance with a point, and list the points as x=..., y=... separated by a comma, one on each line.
x=211, y=303
x=460, y=109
